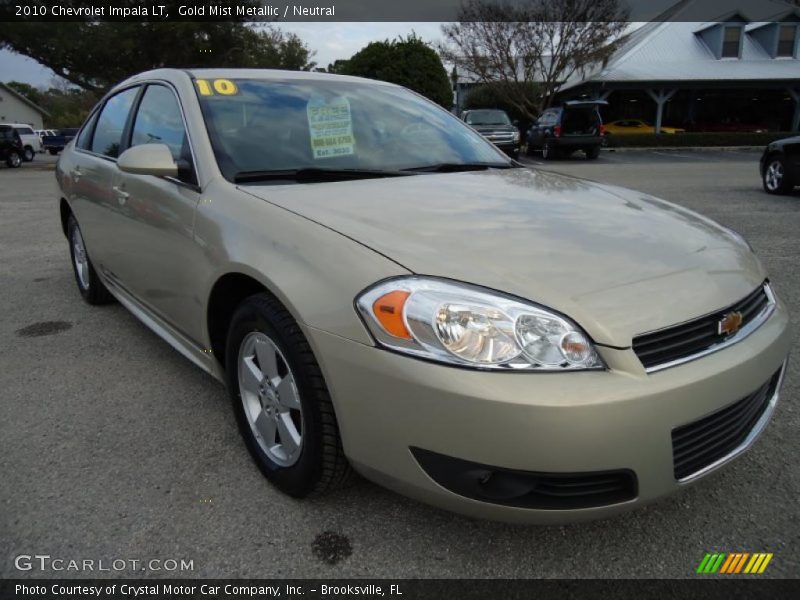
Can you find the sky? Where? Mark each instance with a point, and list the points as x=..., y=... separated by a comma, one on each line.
x=330, y=40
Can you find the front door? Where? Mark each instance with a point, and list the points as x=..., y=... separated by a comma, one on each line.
x=160, y=258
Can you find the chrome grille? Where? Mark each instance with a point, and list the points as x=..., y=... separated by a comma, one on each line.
x=698, y=445
x=675, y=345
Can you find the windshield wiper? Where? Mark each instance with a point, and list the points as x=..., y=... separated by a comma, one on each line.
x=311, y=174
x=456, y=167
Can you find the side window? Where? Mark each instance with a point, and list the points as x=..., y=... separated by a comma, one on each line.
x=25, y=130
x=111, y=123
x=159, y=121
x=84, y=137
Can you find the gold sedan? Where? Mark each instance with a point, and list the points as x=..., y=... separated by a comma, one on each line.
x=382, y=290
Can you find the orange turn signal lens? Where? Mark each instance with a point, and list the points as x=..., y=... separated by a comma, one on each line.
x=388, y=310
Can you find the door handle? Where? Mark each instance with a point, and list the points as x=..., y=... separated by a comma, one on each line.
x=122, y=195
x=76, y=174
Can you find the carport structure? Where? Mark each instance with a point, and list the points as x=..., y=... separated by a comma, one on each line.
x=733, y=73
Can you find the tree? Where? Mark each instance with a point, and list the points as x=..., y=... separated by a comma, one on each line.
x=96, y=55
x=409, y=62
x=532, y=41
x=67, y=105
x=27, y=90
x=490, y=95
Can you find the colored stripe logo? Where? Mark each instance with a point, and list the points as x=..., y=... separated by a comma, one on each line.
x=733, y=563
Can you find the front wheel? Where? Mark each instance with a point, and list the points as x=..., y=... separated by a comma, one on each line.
x=282, y=405
x=14, y=160
x=775, y=179
x=592, y=152
x=28, y=154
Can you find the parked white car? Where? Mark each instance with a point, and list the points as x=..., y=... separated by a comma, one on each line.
x=30, y=140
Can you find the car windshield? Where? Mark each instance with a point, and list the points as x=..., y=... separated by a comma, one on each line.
x=488, y=117
x=269, y=126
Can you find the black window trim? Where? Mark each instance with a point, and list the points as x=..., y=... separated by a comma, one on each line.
x=98, y=110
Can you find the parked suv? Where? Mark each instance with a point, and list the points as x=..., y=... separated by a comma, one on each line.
x=10, y=146
x=496, y=127
x=31, y=144
x=560, y=131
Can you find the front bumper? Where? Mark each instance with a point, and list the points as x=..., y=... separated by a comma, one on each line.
x=583, y=422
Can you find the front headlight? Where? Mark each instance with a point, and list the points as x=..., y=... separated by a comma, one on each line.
x=516, y=136
x=466, y=325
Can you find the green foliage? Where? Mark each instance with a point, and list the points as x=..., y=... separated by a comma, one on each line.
x=409, y=62
x=96, y=55
x=496, y=95
x=338, y=66
x=688, y=140
x=68, y=107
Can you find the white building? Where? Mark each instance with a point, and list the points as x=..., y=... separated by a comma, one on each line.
x=740, y=71
x=16, y=108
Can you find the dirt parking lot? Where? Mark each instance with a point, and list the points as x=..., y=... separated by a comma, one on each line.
x=113, y=446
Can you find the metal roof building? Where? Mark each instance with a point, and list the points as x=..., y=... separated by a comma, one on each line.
x=744, y=65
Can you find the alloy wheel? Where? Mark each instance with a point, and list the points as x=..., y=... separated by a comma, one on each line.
x=270, y=399
x=773, y=177
x=80, y=258
x=14, y=160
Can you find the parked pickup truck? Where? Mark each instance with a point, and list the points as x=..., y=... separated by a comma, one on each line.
x=56, y=143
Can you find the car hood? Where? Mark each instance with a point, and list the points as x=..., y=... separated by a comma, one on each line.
x=618, y=262
x=491, y=128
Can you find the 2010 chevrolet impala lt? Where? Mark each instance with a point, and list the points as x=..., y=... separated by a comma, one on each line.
x=383, y=290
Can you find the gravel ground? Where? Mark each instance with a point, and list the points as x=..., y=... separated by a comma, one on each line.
x=113, y=446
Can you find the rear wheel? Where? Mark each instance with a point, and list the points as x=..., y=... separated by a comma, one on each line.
x=28, y=154
x=282, y=405
x=89, y=285
x=14, y=159
x=592, y=152
x=775, y=179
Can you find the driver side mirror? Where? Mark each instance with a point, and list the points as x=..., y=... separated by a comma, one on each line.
x=515, y=123
x=148, y=159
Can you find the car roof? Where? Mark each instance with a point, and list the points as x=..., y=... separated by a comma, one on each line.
x=263, y=74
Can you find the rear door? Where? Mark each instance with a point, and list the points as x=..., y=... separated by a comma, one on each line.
x=89, y=170
x=581, y=122
x=158, y=255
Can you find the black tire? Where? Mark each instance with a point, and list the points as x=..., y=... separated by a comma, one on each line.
x=515, y=154
x=322, y=465
x=592, y=152
x=53, y=151
x=28, y=154
x=14, y=159
x=781, y=186
x=93, y=291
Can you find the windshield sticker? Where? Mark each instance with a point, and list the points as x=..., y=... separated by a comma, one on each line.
x=223, y=87
x=330, y=127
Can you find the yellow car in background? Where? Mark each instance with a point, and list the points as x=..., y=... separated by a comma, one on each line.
x=626, y=126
